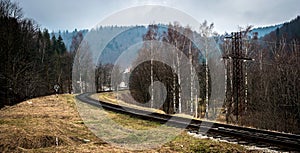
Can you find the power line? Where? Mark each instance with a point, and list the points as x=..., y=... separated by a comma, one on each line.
x=238, y=87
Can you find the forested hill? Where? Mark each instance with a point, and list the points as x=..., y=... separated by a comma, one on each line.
x=69, y=36
x=289, y=31
x=32, y=61
x=263, y=31
x=120, y=39
x=135, y=31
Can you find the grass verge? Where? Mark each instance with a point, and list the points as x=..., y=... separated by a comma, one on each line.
x=50, y=124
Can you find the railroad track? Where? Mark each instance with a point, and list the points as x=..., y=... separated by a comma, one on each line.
x=242, y=135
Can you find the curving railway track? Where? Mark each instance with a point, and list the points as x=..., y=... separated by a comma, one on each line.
x=241, y=135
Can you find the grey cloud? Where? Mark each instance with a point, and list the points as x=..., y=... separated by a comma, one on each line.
x=226, y=14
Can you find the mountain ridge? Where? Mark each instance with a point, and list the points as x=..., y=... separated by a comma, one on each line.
x=68, y=36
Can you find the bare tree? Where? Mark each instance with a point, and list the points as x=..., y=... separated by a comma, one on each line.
x=10, y=9
x=206, y=31
x=82, y=69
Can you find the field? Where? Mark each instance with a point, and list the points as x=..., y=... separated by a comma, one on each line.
x=51, y=124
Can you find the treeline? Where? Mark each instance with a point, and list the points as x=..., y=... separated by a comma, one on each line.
x=181, y=70
x=31, y=62
x=271, y=80
x=290, y=31
x=172, y=69
x=271, y=98
x=274, y=86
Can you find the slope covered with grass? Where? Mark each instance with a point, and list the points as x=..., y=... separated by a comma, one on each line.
x=51, y=124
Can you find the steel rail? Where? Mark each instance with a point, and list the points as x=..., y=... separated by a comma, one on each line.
x=285, y=141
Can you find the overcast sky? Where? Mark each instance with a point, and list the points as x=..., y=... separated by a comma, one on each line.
x=227, y=15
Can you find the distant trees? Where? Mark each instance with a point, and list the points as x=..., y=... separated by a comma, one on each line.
x=185, y=63
x=184, y=72
x=149, y=70
x=140, y=86
x=177, y=74
x=271, y=81
x=274, y=87
x=103, y=77
x=31, y=63
x=290, y=31
x=82, y=69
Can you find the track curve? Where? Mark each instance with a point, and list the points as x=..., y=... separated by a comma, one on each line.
x=281, y=141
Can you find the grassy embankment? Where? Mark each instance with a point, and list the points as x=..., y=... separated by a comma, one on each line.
x=50, y=124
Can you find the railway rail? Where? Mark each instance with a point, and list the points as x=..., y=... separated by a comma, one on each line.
x=242, y=135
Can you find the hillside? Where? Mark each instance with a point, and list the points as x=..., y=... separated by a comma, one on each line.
x=262, y=31
x=68, y=36
x=136, y=32
x=44, y=124
x=289, y=31
x=50, y=124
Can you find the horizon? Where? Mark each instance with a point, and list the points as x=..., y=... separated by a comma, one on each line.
x=72, y=30
x=69, y=15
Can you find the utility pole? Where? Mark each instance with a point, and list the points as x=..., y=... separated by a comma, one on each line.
x=238, y=80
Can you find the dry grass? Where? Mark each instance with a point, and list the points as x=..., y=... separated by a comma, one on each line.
x=111, y=98
x=35, y=125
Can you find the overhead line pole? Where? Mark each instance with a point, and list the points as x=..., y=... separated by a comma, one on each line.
x=238, y=57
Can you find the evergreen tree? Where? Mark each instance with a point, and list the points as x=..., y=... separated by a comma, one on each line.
x=31, y=63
